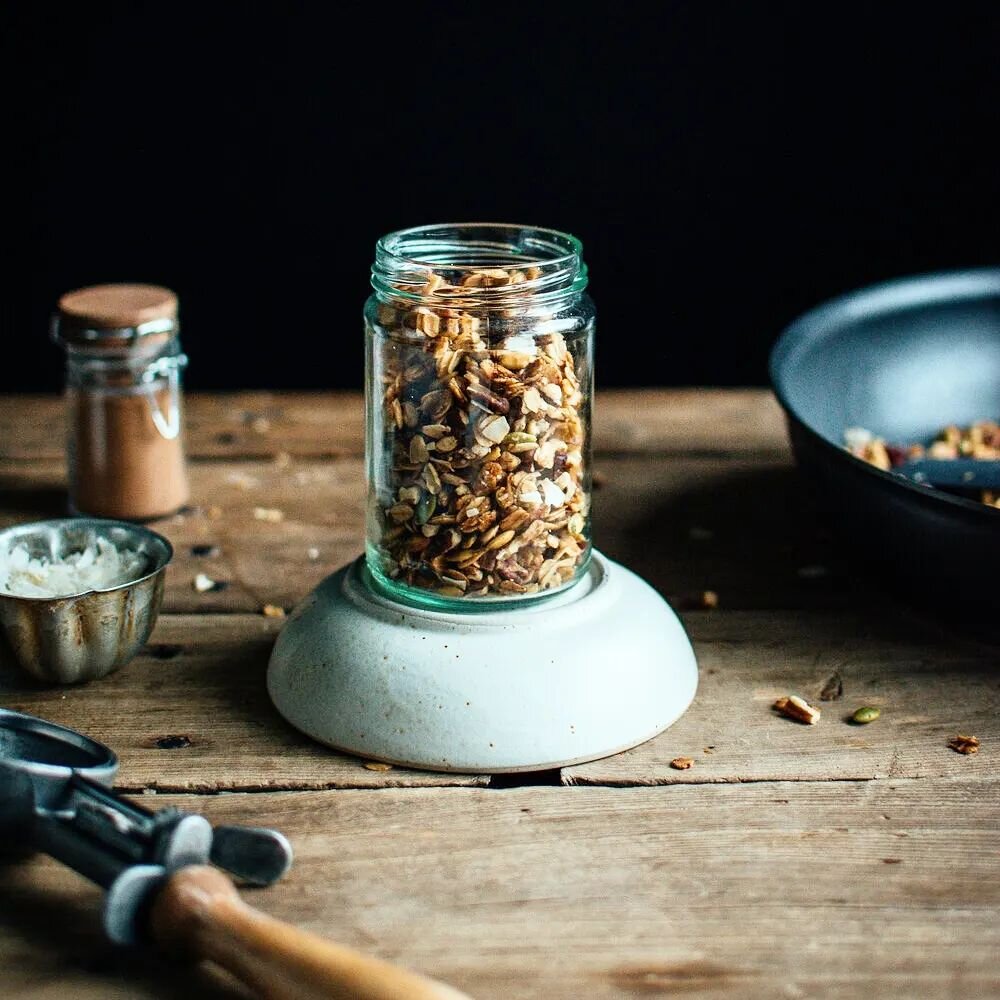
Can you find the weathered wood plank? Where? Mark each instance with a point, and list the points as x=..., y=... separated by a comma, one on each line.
x=201, y=680
x=930, y=684
x=853, y=890
x=740, y=527
x=264, y=424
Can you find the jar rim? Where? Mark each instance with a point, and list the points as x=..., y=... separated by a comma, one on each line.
x=406, y=258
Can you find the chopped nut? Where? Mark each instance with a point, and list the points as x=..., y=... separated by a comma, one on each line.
x=796, y=708
x=270, y=514
x=377, y=765
x=682, y=763
x=964, y=744
x=272, y=611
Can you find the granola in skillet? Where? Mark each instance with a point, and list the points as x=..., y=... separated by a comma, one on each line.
x=980, y=440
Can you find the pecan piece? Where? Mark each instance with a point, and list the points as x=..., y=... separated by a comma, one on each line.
x=964, y=744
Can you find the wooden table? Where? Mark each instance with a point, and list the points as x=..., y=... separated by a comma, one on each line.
x=789, y=861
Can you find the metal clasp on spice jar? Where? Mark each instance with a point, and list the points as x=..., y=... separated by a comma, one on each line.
x=123, y=393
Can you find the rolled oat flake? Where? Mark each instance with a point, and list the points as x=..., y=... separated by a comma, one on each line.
x=123, y=394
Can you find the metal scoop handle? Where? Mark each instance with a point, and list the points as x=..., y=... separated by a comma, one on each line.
x=198, y=913
x=55, y=795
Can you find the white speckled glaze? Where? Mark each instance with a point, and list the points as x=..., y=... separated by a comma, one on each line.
x=600, y=668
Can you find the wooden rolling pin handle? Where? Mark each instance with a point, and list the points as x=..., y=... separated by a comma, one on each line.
x=199, y=913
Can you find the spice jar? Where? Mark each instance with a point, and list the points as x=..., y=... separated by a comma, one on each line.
x=478, y=395
x=123, y=392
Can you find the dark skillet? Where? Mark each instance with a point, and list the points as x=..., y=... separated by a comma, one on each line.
x=902, y=359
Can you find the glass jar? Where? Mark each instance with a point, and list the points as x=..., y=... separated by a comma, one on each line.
x=123, y=393
x=479, y=376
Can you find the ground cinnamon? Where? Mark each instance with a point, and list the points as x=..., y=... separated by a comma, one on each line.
x=121, y=464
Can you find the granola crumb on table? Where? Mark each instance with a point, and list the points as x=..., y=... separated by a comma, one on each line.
x=964, y=744
x=479, y=487
x=794, y=707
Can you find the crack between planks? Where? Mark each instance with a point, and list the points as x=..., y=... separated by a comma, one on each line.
x=569, y=781
x=490, y=783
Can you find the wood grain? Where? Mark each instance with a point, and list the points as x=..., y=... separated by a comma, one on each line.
x=203, y=679
x=930, y=683
x=744, y=528
x=788, y=862
x=199, y=913
x=884, y=889
x=331, y=424
x=192, y=713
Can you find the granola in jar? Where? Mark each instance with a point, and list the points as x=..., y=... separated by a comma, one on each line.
x=478, y=382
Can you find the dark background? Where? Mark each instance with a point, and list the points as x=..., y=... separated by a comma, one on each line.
x=727, y=165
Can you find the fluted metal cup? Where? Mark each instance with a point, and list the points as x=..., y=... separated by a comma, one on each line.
x=68, y=640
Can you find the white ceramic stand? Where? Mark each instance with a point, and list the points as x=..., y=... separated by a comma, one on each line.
x=602, y=667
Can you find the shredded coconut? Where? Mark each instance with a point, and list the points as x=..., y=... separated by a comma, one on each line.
x=99, y=566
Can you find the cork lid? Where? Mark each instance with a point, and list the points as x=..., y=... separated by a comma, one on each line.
x=118, y=307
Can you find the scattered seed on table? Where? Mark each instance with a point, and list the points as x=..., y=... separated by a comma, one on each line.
x=374, y=765
x=866, y=714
